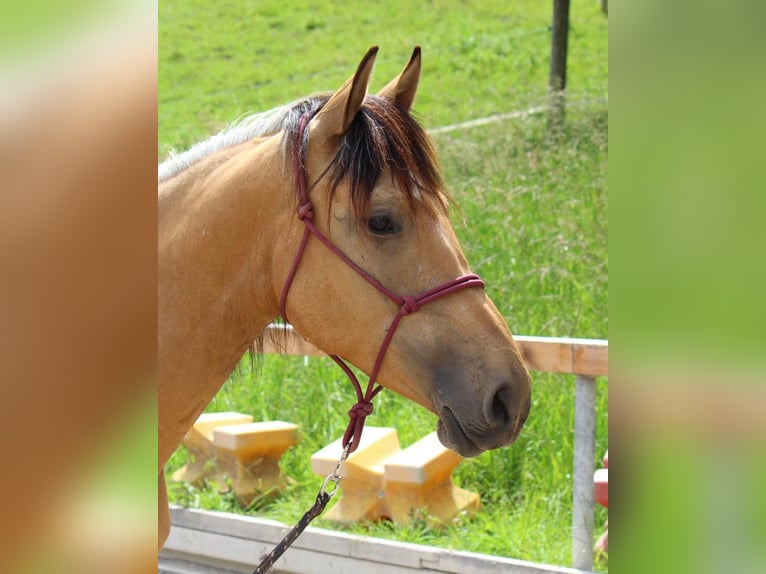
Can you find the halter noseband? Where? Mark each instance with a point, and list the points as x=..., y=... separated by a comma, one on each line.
x=407, y=304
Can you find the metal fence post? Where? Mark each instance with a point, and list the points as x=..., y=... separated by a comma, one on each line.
x=582, y=487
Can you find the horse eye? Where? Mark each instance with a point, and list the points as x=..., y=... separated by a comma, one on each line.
x=381, y=225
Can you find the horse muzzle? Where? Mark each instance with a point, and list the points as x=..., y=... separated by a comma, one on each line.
x=470, y=427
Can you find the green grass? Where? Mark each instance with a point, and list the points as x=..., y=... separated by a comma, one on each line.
x=219, y=60
x=532, y=217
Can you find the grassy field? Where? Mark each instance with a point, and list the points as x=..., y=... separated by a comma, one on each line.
x=533, y=221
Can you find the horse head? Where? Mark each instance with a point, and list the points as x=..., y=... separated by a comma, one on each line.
x=376, y=194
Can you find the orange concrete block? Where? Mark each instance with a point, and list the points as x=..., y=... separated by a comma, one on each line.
x=248, y=455
x=362, y=475
x=420, y=478
x=199, y=443
x=382, y=481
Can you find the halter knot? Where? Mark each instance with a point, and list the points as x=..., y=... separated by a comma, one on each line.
x=409, y=305
x=306, y=211
x=361, y=410
x=357, y=415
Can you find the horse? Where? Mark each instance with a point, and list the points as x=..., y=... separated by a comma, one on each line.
x=238, y=247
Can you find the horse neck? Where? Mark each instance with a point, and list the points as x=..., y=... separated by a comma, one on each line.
x=219, y=225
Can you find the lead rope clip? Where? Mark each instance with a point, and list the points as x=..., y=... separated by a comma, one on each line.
x=335, y=477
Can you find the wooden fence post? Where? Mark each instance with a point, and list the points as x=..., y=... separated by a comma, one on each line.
x=558, y=71
x=582, y=488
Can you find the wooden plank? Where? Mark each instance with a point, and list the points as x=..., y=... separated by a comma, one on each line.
x=548, y=354
x=204, y=541
x=565, y=355
x=591, y=357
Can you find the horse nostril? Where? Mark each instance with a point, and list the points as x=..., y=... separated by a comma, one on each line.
x=501, y=406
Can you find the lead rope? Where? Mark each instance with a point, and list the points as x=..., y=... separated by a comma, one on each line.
x=363, y=407
x=324, y=496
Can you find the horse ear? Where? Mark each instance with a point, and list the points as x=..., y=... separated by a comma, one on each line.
x=401, y=90
x=335, y=117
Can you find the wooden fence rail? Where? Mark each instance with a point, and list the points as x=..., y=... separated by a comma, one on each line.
x=588, y=357
x=583, y=358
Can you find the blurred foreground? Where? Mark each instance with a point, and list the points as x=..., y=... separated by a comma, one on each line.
x=688, y=440
x=78, y=288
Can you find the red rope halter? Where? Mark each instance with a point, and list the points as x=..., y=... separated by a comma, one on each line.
x=407, y=304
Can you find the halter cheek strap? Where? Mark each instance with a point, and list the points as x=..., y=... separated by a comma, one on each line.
x=407, y=304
